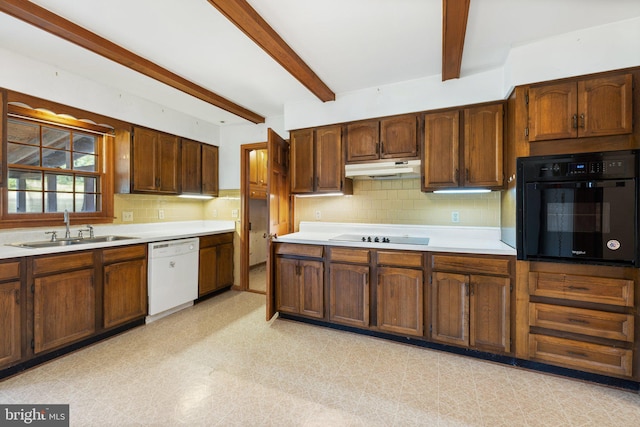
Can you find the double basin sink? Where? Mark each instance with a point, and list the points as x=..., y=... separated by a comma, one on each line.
x=70, y=241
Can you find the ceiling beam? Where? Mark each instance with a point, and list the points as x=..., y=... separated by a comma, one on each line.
x=257, y=29
x=454, y=27
x=58, y=26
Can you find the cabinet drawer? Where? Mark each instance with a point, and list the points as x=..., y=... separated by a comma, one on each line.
x=400, y=259
x=581, y=355
x=594, y=323
x=360, y=256
x=215, y=239
x=300, y=250
x=9, y=270
x=601, y=290
x=472, y=265
x=73, y=261
x=110, y=256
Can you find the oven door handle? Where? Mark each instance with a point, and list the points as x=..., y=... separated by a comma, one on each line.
x=582, y=184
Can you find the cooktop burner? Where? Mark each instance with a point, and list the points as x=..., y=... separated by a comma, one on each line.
x=400, y=240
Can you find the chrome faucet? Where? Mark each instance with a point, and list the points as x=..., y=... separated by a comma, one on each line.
x=67, y=233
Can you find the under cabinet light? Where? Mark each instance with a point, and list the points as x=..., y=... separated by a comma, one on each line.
x=463, y=191
x=195, y=196
x=319, y=195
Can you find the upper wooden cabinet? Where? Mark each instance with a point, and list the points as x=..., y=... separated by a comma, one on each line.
x=210, y=168
x=583, y=108
x=467, y=154
x=317, y=164
x=154, y=162
x=199, y=168
x=258, y=174
x=390, y=138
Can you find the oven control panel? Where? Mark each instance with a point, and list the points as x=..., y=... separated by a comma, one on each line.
x=612, y=165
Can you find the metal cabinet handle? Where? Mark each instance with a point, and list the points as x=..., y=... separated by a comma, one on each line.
x=575, y=121
x=582, y=121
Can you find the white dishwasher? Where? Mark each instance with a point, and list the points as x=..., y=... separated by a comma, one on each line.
x=173, y=276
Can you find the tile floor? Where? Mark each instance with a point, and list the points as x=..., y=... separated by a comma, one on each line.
x=220, y=364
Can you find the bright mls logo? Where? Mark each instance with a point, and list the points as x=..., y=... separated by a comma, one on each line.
x=34, y=415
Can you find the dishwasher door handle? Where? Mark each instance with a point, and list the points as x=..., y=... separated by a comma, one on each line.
x=172, y=264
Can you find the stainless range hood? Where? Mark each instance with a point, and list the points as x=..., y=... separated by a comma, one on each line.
x=383, y=170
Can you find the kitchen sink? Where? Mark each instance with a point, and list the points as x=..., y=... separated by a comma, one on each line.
x=70, y=242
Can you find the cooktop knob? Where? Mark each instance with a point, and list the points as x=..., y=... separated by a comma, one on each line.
x=377, y=239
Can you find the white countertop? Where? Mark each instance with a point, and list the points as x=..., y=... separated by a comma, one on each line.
x=476, y=240
x=140, y=233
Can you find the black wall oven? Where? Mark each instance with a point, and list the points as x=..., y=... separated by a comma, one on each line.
x=579, y=208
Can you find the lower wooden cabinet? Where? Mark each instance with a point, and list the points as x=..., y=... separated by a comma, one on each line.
x=10, y=322
x=216, y=263
x=400, y=300
x=300, y=280
x=349, y=286
x=124, y=285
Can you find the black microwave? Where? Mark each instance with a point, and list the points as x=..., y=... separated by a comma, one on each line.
x=579, y=208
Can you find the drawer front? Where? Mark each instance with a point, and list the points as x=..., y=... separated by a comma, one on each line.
x=360, y=256
x=110, y=256
x=580, y=355
x=594, y=323
x=300, y=250
x=400, y=259
x=72, y=261
x=472, y=265
x=10, y=270
x=215, y=239
x=601, y=290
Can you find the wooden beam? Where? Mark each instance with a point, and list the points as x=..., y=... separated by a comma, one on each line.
x=257, y=29
x=454, y=27
x=58, y=26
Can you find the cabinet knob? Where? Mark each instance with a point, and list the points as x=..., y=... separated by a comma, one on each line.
x=574, y=121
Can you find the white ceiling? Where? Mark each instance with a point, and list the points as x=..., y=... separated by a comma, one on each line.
x=350, y=44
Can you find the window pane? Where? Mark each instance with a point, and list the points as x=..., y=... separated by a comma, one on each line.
x=58, y=202
x=84, y=143
x=87, y=202
x=24, y=133
x=59, y=183
x=24, y=202
x=84, y=162
x=86, y=184
x=56, y=138
x=23, y=155
x=56, y=159
x=23, y=180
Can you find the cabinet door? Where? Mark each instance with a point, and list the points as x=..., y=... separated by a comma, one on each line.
x=208, y=270
x=210, y=164
x=287, y=289
x=69, y=298
x=329, y=163
x=191, y=167
x=311, y=282
x=253, y=167
x=10, y=323
x=145, y=160
x=302, y=161
x=440, y=156
x=400, y=300
x=262, y=168
x=349, y=294
x=490, y=308
x=363, y=141
x=483, y=134
x=125, y=292
x=605, y=106
x=225, y=265
x=169, y=159
x=399, y=137
x=450, y=299
x=553, y=111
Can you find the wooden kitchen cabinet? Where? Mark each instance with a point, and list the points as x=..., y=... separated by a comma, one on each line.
x=12, y=304
x=216, y=263
x=210, y=170
x=124, y=285
x=349, y=286
x=199, y=168
x=467, y=154
x=581, y=108
x=299, y=277
x=317, y=164
x=388, y=138
x=471, y=302
x=154, y=162
x=258, y=174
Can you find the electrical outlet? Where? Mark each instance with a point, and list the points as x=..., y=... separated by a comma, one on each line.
x=455, y=216
x=160, y=213
x=234, y=213
x=318, y=215
x=215, y=213
x=127, y=216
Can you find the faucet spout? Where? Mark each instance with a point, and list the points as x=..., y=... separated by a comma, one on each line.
x=67, y=233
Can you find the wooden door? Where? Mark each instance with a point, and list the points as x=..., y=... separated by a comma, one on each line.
x=10, y=323
x=553, y=111
x=483, y=148
x=210, y=167
x=605, y=106
x=125, y=292
x=69, y=298
x=349, y=294
x=450, y=308
x=363, y=141
x=440, y=157
x=144, y=160
x=489, y=312
x=208, y=270
x=191, y=167
x=399, y=137
x=225, y=265
x=279, y=206
x=287, y=285
x=311, y=282
x=302, y=161
x=329, y=159
x=168, y=173
x=400, y=300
